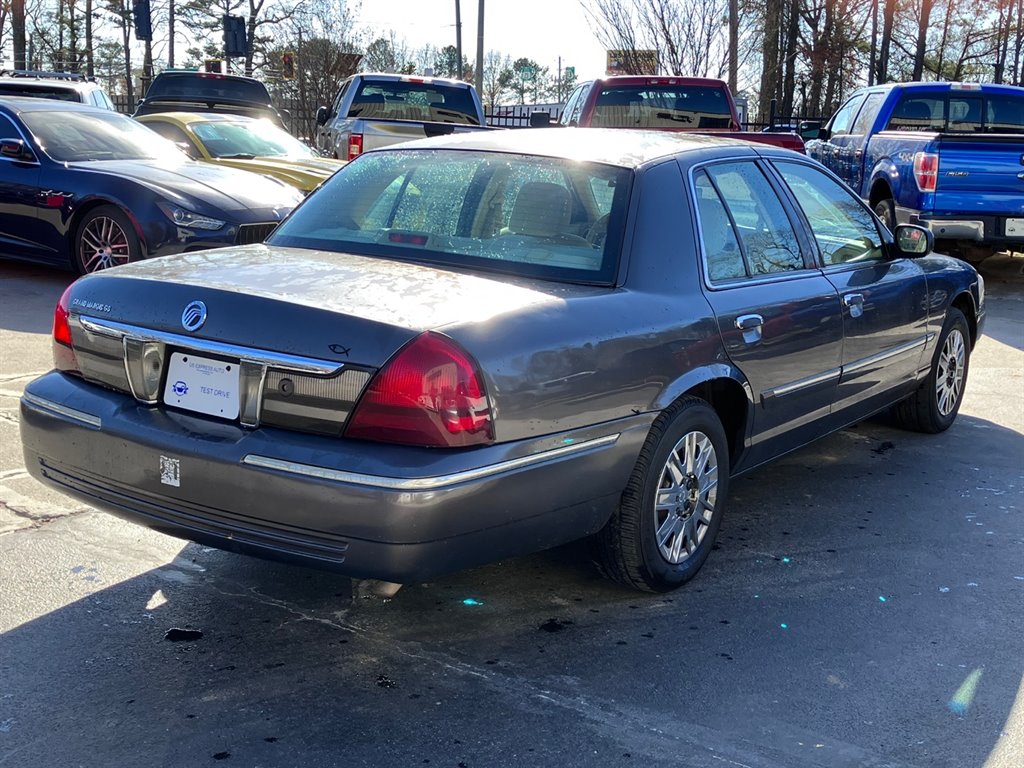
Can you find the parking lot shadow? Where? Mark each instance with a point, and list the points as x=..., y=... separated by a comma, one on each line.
x=862, y=607
x=23, y=288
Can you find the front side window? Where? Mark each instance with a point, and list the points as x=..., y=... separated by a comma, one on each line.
x=768, y=241
x=844, y=117
x=525, y=215
x=570, y=106
x=843, y=227
x=868, y=113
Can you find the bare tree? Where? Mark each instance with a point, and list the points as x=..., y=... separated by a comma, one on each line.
x=922, y=39
x=497, y=78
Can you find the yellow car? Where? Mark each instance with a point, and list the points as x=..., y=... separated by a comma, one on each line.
x=244, y=142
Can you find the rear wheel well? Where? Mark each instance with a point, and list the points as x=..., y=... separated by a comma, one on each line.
x=879, y=191
x=965, y=303
x=729, y=400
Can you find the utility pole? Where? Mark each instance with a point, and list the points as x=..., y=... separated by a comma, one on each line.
x=734, y=36
x=480, y=49
x=559, y=81
x=170, y=34
x=458, y=38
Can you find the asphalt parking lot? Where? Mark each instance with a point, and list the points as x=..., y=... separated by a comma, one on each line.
x=864, y=607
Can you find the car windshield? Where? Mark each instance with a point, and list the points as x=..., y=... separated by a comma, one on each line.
x=518, y=214
x=406, y=100
x=662, y=106
x=72, y=136
x=199, y=86
x=248, y=138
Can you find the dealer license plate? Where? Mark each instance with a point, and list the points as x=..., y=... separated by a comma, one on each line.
x=1015, y=227
x=202, y=385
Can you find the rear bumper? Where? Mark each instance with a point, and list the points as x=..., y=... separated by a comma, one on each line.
x=362, y=509
x=984, y=230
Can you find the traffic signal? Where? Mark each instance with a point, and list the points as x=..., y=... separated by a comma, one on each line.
x=235, y=43
x=143, y=22
x=288, y=65
x=214, y=65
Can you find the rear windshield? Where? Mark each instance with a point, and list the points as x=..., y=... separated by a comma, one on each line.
x=40, y=91
x=518, y=214
x=422, y=102
x=201, y=86
x=662, y=106
x=967, y=112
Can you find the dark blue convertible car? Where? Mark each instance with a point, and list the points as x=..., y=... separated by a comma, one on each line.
x=466, y=348
x=88, y=188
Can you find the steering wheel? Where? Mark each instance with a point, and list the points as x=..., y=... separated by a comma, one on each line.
x=598, y=231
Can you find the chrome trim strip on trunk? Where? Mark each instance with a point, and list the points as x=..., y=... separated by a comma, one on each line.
x=277, y=360
x=56, y=409
x=425, y=483
x=867, y=362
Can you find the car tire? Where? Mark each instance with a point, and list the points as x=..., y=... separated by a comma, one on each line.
x=659, y=538
x=934, y=405
x=105, y=238
x=885, y=209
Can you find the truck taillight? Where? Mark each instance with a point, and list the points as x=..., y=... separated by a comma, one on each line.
x=431, y=394
x=355, y=146
x=63, y=353
x=926, y=170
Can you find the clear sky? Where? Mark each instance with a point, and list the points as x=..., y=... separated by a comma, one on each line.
x=541, y=30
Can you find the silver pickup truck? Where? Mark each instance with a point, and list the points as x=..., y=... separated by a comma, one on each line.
x=375, y=110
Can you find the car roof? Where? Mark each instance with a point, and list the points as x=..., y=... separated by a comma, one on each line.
x=168, y=73
x=610, y=146
x=21, y=104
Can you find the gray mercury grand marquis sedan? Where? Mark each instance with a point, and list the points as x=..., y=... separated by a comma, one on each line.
x=466, y=348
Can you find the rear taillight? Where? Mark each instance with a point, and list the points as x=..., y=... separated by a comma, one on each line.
x=431, y=393
x=63, y=354
x=926, y=170
x=355, y=146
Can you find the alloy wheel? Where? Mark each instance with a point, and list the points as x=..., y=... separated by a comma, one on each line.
x=685, y=501
x=949, y=373
x=103, y=244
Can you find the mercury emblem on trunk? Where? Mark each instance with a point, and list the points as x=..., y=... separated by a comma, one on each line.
x=194, y=316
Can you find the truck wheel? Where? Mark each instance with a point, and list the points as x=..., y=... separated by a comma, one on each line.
x=672, y=507
x=935, y=404
x=885, y=209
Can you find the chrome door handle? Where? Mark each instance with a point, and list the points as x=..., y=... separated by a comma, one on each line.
x=749, y=322
x=855, y=303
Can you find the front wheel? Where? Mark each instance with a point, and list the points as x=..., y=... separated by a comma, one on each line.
x=105, y=238
x=672, y=507
x=935, y=404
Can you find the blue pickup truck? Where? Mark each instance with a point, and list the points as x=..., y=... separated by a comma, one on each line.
x=947, y=156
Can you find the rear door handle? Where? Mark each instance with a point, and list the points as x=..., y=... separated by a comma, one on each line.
x=749, y=322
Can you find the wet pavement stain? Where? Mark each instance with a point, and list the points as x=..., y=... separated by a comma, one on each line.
x=179, y=635
x=554, y=625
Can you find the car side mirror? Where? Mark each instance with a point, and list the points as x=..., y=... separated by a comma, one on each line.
x=187, y=148
x=540, y=119
x=913, y=241
x=321, y=116
x=16, y=149
x=824, y=134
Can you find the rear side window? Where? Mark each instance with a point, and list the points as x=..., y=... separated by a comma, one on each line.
x=919, y=113
x=518, y=214
x=420, y=102
x=1004, y=114
x=721, y=246
x=765, y=235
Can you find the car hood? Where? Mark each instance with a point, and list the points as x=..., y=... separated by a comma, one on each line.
x=303, y=173
x=226, y=189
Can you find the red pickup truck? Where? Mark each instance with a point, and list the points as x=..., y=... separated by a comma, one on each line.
x=690, y=104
